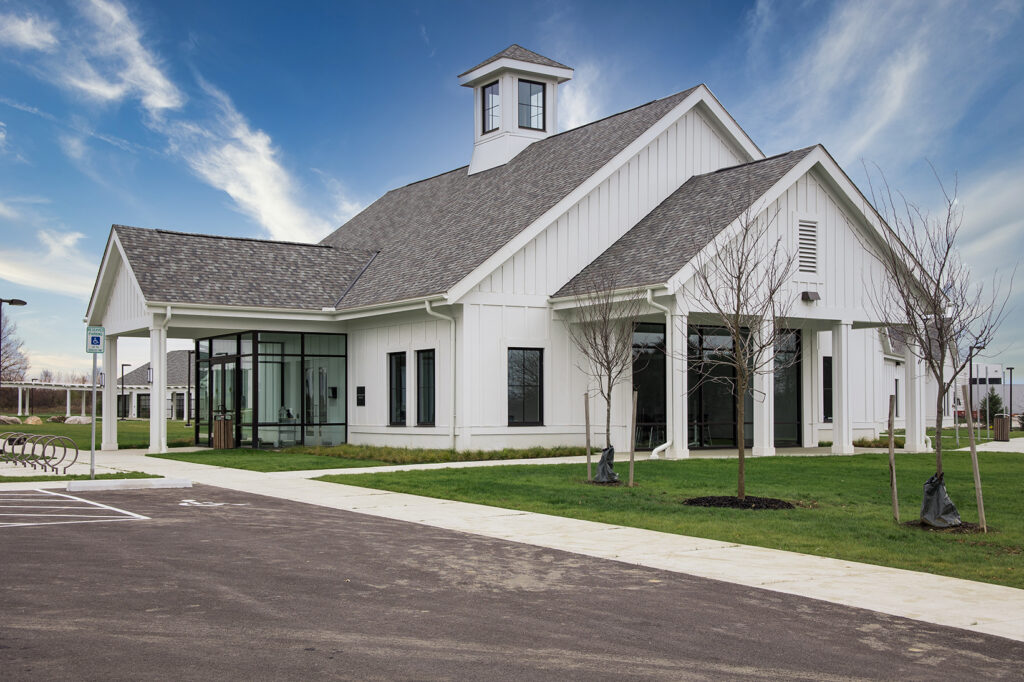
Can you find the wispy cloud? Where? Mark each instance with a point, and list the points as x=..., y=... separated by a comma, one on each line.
x=7, y=212
x=230, y=155
x=57, y=264
x=579, y=99
x=108, y=61
x=877, y=79
x=30, y=32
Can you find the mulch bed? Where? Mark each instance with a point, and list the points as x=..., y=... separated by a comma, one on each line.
x=732, y=502
x=964, y=528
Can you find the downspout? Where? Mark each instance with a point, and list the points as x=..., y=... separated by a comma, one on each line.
x=670, y=412
x=451, y=363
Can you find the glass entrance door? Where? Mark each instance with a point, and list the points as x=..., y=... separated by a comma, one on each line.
x=222, y=400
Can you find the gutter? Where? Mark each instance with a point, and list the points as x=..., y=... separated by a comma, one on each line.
x=451, y=363
x=670, y=408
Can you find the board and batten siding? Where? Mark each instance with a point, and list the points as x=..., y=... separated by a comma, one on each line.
x=369, y=344
x=690, y=146
x=126, y=308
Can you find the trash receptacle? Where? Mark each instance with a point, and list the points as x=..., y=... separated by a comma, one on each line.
x=1002, y=427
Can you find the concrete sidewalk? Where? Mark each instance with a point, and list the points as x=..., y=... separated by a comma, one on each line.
x=974, y=606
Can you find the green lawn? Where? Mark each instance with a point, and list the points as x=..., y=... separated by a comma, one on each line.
x=130, y=433
x=843, y=505
x=76, y=477
x=266, y=460
x=350, y=456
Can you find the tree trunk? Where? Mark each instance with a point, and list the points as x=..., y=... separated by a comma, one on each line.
x=938, y=432
x=608, y=418
x=892, y=460
x=741, y=446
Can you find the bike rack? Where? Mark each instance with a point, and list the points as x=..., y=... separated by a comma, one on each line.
x=40, y=451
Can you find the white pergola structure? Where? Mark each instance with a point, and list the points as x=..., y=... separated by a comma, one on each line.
x=25, y=393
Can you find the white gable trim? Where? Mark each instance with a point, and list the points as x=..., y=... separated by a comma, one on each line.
x=106, y=279
x=846, y=191
x=701, y=95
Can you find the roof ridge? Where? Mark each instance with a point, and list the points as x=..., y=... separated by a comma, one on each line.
x=620, y=113
x=756, y=161
x=220, y=236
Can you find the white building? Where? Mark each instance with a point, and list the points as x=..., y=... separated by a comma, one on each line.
x=436, y=317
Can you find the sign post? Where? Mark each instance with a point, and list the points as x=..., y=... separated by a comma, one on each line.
x=95, y=342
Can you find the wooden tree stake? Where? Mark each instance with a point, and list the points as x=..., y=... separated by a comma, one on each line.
x=586, y=418
x=974, y=465
x=892, y=460
x=632, y=440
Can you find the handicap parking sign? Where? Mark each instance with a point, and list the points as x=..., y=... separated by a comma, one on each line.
x=94, y=338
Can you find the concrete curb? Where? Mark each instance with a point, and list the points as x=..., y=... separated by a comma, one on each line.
x=128, y=484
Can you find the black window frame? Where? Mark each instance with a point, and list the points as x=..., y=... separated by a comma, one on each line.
x=543, y=105
x=826, y=389
x=539, y=386
x=393, y=391
x=422, y=389
x=484, y=108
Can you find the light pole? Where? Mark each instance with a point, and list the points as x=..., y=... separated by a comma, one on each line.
x=8, y=301
x=1010, y=411
x=123, y=408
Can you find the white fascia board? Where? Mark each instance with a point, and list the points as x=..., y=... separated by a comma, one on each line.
x=509, y=64
x=572, y=301
x=104, y=276
x=298, y=314
x=677, y=281
x=700, y=94
x=729, y=124
x=100, y=276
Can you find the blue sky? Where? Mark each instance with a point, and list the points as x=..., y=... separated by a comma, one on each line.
x=250, y=118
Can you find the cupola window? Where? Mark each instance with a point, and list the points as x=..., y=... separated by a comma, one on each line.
x=492, y=107
x=531, y=105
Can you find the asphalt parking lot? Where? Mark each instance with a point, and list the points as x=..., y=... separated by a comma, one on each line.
x=216, y=584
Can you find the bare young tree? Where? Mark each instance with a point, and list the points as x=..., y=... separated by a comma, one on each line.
x=943, y=312
x=602, y=331
x=741, y=282
x=13, y=361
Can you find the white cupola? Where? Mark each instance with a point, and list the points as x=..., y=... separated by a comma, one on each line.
x=515, y=97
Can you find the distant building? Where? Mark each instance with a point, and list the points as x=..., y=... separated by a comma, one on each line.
x=135, y=401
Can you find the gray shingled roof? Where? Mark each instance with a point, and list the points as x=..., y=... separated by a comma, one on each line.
x=514, y=51
x=678, y=228
x=177, y=267
x=433, y=233
x=177, y=371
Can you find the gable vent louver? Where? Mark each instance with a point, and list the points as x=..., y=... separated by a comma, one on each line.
x=807, y=246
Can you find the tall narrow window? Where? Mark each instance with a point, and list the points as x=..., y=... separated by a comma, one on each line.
x=826, y=387
x=896, y=392
x=525, y=387
x=531, y=105
x=396, y=389
x=492, y=107
x=807, y=246
x=425, y=387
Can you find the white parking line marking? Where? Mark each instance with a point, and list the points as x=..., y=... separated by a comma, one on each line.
x=43, y=501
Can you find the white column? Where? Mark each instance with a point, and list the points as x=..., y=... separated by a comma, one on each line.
x=680, y=368
x=915, y=392
x=764, y=403
x=842, y=417
x=28, y=401
x=110, y=391
x=84, y=395
x=67, y=413
x=157, y=391
x=810, y=412
x=19, y=401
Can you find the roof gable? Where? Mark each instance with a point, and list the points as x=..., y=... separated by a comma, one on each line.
x=434, y=233
x=658, y=246
x=178, y=267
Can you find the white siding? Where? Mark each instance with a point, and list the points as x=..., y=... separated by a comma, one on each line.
x=369, y=343
x=126, y=308
x=689, y=147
